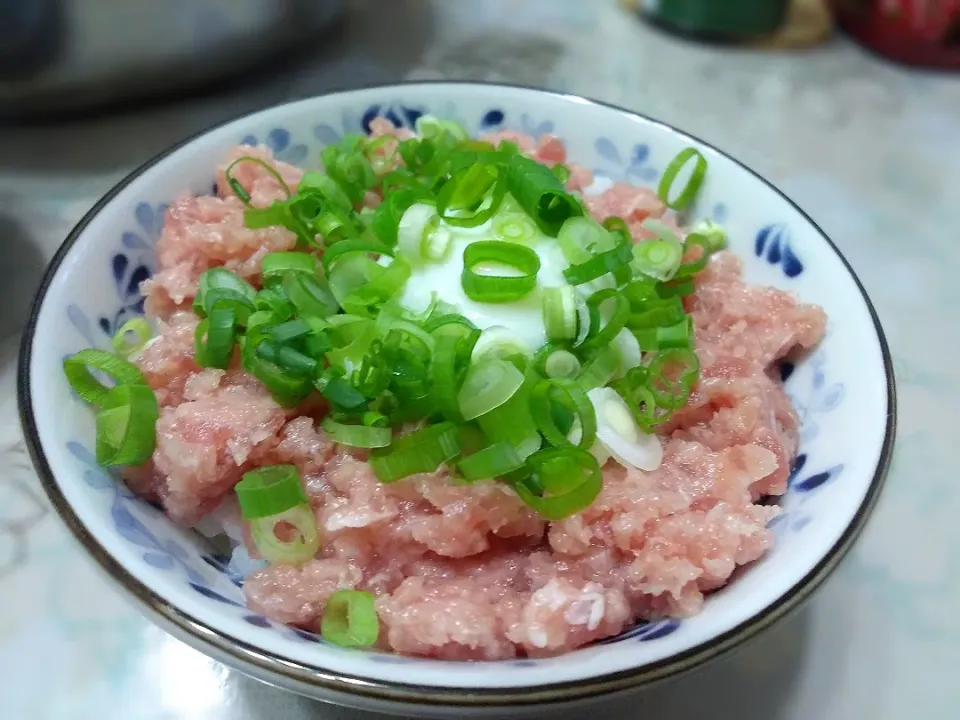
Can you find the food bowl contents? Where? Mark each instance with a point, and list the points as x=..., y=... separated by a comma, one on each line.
x=450, y=400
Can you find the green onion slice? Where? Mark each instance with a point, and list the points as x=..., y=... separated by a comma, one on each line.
x=220, y=285
x=600, y=264
x=361, y=436
x=561, y=364
x=276, y=264
x=570, y=478
x=682, y=199
x=422, y=451
x=604, y=333
x=571, y=395
x=309, y=294
x=581, y=237
x=126, y=425
x=132, y=336
x=673, y=373
x=560, y=313
x=239, y=190
x=541, y=194
x=354, y=245
x=489, y=288
x=699, y=248
x=269, y=491
x=512, y=422
x=216, y=335
x=350, y=619
x=327, y=188
x=497, y=342
x=599, y=368
x=77, y=368
x=515, y=227
x=488, y=385
x=715, y=234
x=472, y=195
x=298, y=521
x=491, y=462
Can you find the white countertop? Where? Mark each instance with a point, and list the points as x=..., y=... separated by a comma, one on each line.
x=870, y=150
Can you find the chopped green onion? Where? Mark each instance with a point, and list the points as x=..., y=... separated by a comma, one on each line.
x=276, y=264
x=682, y=199
x=573, y=397
x=288, y=359
x=600, y=264
x=141, y=331
x=560, y=313
x=599, y=369
x=699, y=247
x=672, y=375
x=619, y=434
x=499, y=288
x=562, y=172
x=541, y=194
x=628, y=349
x=657, y=313
x=571, y=480
x=77, y=369
x=338, y=391
x=635, y=391
x=220, y=285
x=269, y=491
x=499, y=343
x=349, y=167
x=603, y=334
x=515, y=227
x=361, y=436
x=678, y=335
x=350, y=619
x=286, y=388
x=561, y=364
x=354, y=245
x=388, y=215
x=715, y=234
x=216, y=336
x=327, y=188
x=490, y=462
x=581, y=237
x=126, y=425
x=472, y=196
x=454, y=344
x=658, y=258
x=418, y=223
x=678, y=287
x=512, y=422
x=487, y=386
x=422, y=451
x=239, y=190
x=429, y=127
x=306, y=536
x=309, y=294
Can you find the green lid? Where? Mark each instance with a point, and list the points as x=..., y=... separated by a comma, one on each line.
x=722, y=18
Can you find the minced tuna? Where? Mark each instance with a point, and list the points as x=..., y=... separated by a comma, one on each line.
x=469, y=571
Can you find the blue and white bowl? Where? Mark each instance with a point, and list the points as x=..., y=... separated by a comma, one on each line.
x=844, y=393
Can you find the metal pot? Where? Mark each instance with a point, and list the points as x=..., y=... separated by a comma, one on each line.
x=71, y=54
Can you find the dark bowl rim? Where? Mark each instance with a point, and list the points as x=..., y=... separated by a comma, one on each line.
x=266, y=663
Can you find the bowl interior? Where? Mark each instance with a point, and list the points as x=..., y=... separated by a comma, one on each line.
x=841, y=391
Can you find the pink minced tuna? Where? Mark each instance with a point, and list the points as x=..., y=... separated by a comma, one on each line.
x=470, y=572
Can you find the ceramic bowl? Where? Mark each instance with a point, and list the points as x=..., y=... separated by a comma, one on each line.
x=844, y=394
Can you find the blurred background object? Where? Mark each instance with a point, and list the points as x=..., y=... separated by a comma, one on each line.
x=60, y=55
x=917, y=32
x=765, y=23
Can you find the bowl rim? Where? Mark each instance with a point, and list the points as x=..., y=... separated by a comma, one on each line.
x=266, y=663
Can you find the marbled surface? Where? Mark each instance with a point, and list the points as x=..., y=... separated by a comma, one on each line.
x=871, y=151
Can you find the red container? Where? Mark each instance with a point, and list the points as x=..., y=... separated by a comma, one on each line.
x=917, y=32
